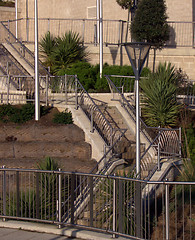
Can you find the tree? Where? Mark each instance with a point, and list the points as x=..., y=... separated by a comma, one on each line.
x=46, y=47
x=160, y=107
x=150, y=23
x=62, y=52
x=129, y=5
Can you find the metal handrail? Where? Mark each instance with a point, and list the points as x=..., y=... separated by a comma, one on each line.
x=17, y=41
x=132, y=114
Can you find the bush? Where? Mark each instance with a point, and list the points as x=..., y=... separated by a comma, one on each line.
x=19, y=114
x=64, y=117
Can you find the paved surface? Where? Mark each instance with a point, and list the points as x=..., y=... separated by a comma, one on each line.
x=16, y=234
x=21, y=230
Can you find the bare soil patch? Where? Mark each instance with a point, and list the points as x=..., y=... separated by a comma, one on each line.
x=24, y=145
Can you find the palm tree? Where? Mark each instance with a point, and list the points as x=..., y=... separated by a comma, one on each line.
x=160, y=107
x=46, y=47
x=69, y=49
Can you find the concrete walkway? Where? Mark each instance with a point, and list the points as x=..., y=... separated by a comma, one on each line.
x=20, y=230
x=16, y=234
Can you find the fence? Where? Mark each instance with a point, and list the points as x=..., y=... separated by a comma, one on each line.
x=114, y=31
x=167, y=212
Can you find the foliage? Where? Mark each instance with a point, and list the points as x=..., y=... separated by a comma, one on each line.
x=19, y=114
x=105, y=210
x=86, y=73
x=126, y=4
x=64, y=117
x=63, y=51
x=7, y=3
x=160, y=107
x=150, y=23
x=46, y=47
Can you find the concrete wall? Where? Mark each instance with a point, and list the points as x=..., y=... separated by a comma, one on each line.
x=7, y=13
x=177, y=10
x=70, y=9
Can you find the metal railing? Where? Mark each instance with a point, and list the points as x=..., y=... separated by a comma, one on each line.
x=21, y=49
x=44, y=196
x=114, y=31
x=62, y=90
x=166, y=142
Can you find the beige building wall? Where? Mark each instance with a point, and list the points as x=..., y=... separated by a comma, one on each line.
x=71, y=9
x=180, y=10
x=177, y=10
x=7, y=13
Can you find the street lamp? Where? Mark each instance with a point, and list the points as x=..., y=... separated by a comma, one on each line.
x=137, y=53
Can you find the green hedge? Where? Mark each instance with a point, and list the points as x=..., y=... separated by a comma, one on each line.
x=89, y=77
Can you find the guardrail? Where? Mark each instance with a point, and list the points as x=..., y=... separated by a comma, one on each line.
x=38, y=195
x=166, y=142
x=21, y=49
x=114, y=31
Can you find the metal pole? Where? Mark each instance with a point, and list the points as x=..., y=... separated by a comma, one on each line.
x=4, y=193
x=180, y=141
x=137, y=125
x=47, y=86
x=16, y=11
x=37, y=102
x=66, y=90
x=92, y=128
x=60, y=200
x=98, y=18
x=167, y=210
x=101, y=39
x=158, y=156
x=114, y=207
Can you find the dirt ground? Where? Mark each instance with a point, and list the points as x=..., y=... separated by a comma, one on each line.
x=24, y=145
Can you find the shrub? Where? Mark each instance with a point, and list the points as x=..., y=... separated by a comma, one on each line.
x=160, y=107
x=64, y=117
x=19, y=114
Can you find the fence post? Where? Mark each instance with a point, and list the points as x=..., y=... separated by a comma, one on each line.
x=72, y=198
x=119, y=31
x=120, y=206
x=114, y=207
x=60, y=200
x=76, y=95
x=138, y=208
x=4, y=194
x=17, y=194
x=47, y=87
x=159, y=156
x=91, y=200
x=83, y=34
x=8, y=81
x=92, y=128
x=167, y=210
x=27, y=29
x=95, y=34
x=159, y=149
x=37, y=197
x=66, y=90
x=48, y=25
x=180, y=141
x=8, y=29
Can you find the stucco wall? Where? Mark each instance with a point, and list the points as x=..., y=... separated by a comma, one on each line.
x=177, y=10
x=7, y=13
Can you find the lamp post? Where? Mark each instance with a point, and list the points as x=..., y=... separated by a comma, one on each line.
x=137, y=53
x=37, y=100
